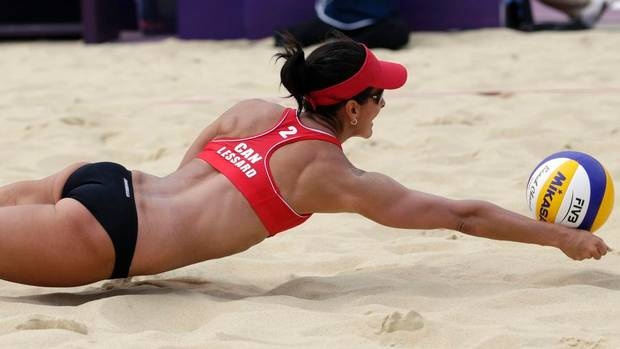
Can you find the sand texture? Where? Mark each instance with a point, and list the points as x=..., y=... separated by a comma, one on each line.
x=479, y=111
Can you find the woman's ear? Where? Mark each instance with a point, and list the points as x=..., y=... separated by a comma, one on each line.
x=352, y=108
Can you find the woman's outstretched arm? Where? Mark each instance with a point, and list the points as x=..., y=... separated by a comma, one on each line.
x=396, y=206
x=385, y=201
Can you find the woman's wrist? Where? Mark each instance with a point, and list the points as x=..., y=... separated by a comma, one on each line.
x=560, y=235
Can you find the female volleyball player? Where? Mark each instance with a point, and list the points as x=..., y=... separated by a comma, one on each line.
x=256, y=171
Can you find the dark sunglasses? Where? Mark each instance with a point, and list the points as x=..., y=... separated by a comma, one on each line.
x=377, y=97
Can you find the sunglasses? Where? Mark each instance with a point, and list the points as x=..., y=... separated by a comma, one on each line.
x=377, y=97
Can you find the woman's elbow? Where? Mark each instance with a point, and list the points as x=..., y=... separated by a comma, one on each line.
x=466, y=213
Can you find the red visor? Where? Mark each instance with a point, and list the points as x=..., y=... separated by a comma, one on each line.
x=373, y=73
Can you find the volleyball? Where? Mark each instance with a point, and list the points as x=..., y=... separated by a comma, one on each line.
x=572, y=189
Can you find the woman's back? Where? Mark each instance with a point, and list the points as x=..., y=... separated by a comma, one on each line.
x=198, y=213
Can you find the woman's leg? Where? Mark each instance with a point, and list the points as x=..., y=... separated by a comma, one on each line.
x=570, y=7
x=58, y=244
x=41, y=191
x=391, y=33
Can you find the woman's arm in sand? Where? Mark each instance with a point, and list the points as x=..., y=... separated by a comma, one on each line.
x=199, y=143
x=385, y=201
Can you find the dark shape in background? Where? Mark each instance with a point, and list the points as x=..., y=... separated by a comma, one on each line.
x=93, y=20
x=34, y=18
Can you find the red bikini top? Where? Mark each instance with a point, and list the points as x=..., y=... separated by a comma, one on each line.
x=245, y=162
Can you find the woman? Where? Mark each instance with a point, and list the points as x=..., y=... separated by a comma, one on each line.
x=375, y=23
x=584, y=12
x=256, y=171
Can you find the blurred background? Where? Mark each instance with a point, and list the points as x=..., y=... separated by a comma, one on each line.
x=97, y=21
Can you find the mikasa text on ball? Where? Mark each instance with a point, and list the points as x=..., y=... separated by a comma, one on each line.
x=571, y=188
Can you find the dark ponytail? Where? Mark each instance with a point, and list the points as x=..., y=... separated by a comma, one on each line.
x=293, y=72
x=329, y=64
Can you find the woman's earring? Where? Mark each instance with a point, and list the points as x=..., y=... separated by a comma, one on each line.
x=354, y=122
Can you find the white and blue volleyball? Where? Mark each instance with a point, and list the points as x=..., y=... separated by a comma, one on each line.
x=572, y=189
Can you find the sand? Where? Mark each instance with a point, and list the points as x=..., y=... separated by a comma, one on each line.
x=480, y=110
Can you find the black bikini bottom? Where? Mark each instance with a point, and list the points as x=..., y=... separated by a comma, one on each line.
x=106, y=190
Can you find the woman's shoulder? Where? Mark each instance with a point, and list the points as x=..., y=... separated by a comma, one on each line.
x=249, y=117
x=255, y=107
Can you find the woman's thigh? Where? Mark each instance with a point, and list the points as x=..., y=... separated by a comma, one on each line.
x=53, y=245
x=41, y=191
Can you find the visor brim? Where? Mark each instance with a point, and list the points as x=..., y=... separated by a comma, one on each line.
x=392, y=76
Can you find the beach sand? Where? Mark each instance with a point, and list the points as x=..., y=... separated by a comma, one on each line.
x=479, y=111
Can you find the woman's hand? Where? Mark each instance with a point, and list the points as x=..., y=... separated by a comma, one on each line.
x=582, y=244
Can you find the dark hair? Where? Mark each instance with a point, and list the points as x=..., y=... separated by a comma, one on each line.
x=328, y=65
